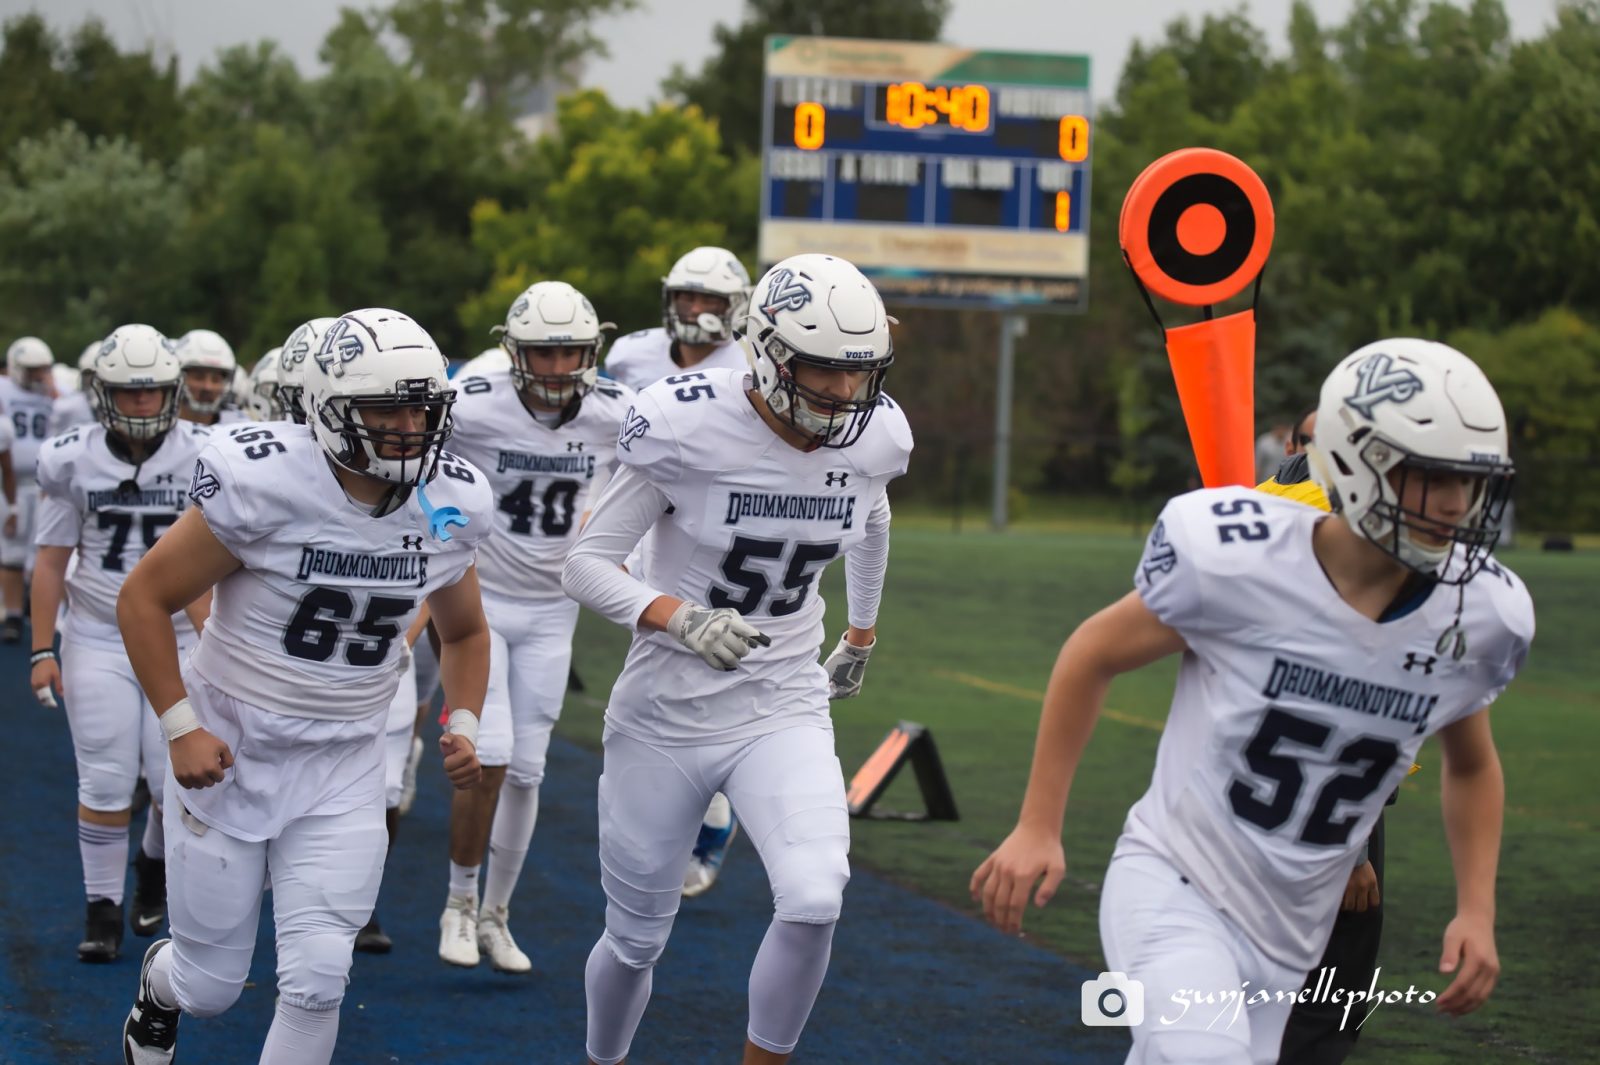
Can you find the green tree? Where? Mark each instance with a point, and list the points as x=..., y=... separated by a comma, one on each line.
x=620, y=194
x=86, y=227
x=727, y=88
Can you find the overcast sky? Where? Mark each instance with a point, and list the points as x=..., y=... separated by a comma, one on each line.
x=645, y=44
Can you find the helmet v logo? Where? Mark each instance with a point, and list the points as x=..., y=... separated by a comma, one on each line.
x=784, y=293
x=1377, y=381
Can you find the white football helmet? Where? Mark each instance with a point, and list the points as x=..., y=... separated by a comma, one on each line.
x=262, y=402
x=28, y=362
x=67, y=379
x=718, y=272
x=239, y=394
x=553, y=314
x=135, y=357
x=489, y=360
x=86, y=375
x=297, y=351
x=817, y=310
x=1407, y=408
x=378, y=358
x=202, y=349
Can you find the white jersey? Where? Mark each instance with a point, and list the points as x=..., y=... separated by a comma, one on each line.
x=29, y=414
x=540, y=476
x=83, y=504
x=751, y=525
x=311, y=625
x=641, y=359
x=1294, y=716
x=69, y=412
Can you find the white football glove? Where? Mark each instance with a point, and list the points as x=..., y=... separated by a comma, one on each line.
x=720, y=637
x=846, y=668
x=403, y=662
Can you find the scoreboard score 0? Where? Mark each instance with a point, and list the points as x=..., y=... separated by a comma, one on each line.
x=951, y=177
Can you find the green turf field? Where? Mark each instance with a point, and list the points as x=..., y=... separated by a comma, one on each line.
x=969, y=629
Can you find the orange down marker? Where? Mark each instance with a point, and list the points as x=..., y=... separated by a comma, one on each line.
x=1196, y=228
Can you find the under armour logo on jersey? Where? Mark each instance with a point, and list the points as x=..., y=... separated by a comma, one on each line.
x=204, y=485
x=163, y=478
x=339, y=346
x=837, y=478
x=1377, y=382
x=634, y=426
x=411, y=543
x=784, y=293
x=1416, y=661
x=1159, y=555
x=574, y=445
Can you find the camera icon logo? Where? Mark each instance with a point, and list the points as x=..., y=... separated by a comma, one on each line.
x=1113, y=1001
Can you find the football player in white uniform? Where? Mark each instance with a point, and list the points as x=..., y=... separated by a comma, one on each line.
x=322, y=544
x=703, y=298
x=1319, y=652
x=750, y=482
x=208, y=364
x=27, y=396
x=545, y=434
x=77, y=408
x=108, y=492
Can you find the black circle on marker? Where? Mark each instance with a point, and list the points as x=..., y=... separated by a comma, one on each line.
x=1239, y=236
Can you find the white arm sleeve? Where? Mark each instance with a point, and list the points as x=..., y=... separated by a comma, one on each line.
x=593, y=573
x=865, y=566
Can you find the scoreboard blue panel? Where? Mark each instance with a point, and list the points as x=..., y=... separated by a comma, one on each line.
x=952, y=177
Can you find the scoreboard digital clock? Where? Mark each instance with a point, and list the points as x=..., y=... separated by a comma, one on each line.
x=952, y=177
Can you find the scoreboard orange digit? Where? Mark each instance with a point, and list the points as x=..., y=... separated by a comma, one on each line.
x=1073, y=142
x=810, y=124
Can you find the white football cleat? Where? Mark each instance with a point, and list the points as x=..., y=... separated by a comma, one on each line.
x=458, y=931
x=706, y=861
x=408, y=776
x=494, y=939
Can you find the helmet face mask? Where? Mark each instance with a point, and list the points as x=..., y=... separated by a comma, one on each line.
x=370, y=365
x=213, y=384
x=832, y=422
x=553, y=390
x=710, y=271
x=135, y=358
x=1410, y=446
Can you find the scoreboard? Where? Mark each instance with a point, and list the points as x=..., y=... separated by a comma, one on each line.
x=951, y=177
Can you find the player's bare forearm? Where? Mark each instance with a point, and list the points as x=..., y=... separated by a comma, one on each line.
x=658, y=613
x=858, y=637
x=185, y=563
x=1472, y=797
x=463, y=642
x=49, y=577
x=150, y=641
x=418, y=626
x=1121, y=638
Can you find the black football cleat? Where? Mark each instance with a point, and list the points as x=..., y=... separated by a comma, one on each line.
x=373, y=939
x=150, y=1034
x=102, y=932
x=149, y=895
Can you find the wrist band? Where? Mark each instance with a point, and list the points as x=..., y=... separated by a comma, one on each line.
x=47, y=654
x=179, y=720
x=463, y=723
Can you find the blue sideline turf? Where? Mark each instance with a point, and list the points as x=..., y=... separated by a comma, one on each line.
x=911, y=980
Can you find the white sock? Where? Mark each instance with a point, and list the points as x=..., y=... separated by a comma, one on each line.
x=509, y=838
x=154, y=843
x=720, y=813
x=299, y=1036
x=161, y=988
x=104, y=849
x=464, y=880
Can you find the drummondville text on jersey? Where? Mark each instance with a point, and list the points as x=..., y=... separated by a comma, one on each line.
x=841, y=509
x=1350, y=693
x=382, y=569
